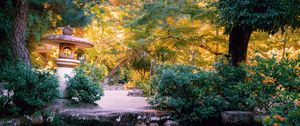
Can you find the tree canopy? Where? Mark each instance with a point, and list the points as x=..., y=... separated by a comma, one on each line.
x=165, y=31
x=260, y=15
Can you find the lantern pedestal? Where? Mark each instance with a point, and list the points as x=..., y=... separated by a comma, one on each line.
x=61, y=72
x=65, y=67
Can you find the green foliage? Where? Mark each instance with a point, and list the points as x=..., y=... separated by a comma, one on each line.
x=284, y=115
x=32, y=88
x=94, y=71
x=189, y=91
x=126, y=75
x=141, y=63
x=145, y=86
x=269, y=86
x=82, y=86
x=273, y=82
x=233, y=87
x=264, y=15
x=275, y=89
x=72, y=12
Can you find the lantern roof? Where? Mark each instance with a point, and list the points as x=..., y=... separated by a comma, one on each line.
x=67, y=37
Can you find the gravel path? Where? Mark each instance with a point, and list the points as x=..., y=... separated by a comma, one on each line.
x=118, y=100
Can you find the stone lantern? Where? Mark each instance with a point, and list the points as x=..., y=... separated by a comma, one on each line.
x=66, y=60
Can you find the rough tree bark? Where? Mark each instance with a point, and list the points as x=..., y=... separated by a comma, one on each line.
x=18, y=43
x=238, y=44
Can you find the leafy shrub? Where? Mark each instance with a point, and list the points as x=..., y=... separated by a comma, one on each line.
x=145, y=86
x=276, y=89
x=285, y=115
x=189, y=91
x=267, y=86
x=125, y=76
x=32, y=88
x=83, y=87
x=95, y=72
x=233, y=88
x=273, y=83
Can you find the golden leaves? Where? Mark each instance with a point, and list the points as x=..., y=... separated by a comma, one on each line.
x=279, y=118
x=268, y=80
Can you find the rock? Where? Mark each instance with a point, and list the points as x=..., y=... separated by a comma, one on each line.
x=237, y=118
x=171, y=123
x=135, y=93
x=35, y=119
x=140, y=124
x=259, y=119
x=58, y=105
x=75, y=99
x=10, y=122
x=153, y=124
x=113, y=87
x=94, y=116
x=67, y=30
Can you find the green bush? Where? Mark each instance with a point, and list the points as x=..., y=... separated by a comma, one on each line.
x=284, y=115
x=145, y=86
x=94, y=71
x=189, y=92
x=32, y=88
x=81, y=86
x=268, y=86
x=276, y=90
x=273, y=82
x=233, y=88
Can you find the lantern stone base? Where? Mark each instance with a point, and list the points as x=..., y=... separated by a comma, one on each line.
x=61, y=72
x=66, y=62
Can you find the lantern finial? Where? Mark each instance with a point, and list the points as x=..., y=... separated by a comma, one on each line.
x=68, y=30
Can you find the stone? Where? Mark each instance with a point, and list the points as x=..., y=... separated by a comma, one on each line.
x=140, y=124
x=35, y=119
x=67, y=30
x=237, y=118
x=258, y=119
x=135, y=93
x=171, y=123
x=153, y=124
x=58, y=105
x=113, y=87
x=10, y=122
x=61, y=72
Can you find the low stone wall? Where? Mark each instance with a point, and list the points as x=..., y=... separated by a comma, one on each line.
x=116, y=118
x=93, y=115
x=241, y=118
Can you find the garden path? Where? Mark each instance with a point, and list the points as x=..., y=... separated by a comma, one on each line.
x=118, y=100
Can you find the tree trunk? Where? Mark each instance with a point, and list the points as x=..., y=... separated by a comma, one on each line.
x=113, y=71
x=18, y=43
x=238, y=44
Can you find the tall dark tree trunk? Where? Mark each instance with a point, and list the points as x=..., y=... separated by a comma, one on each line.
x=18, y=43
x=238, y=44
